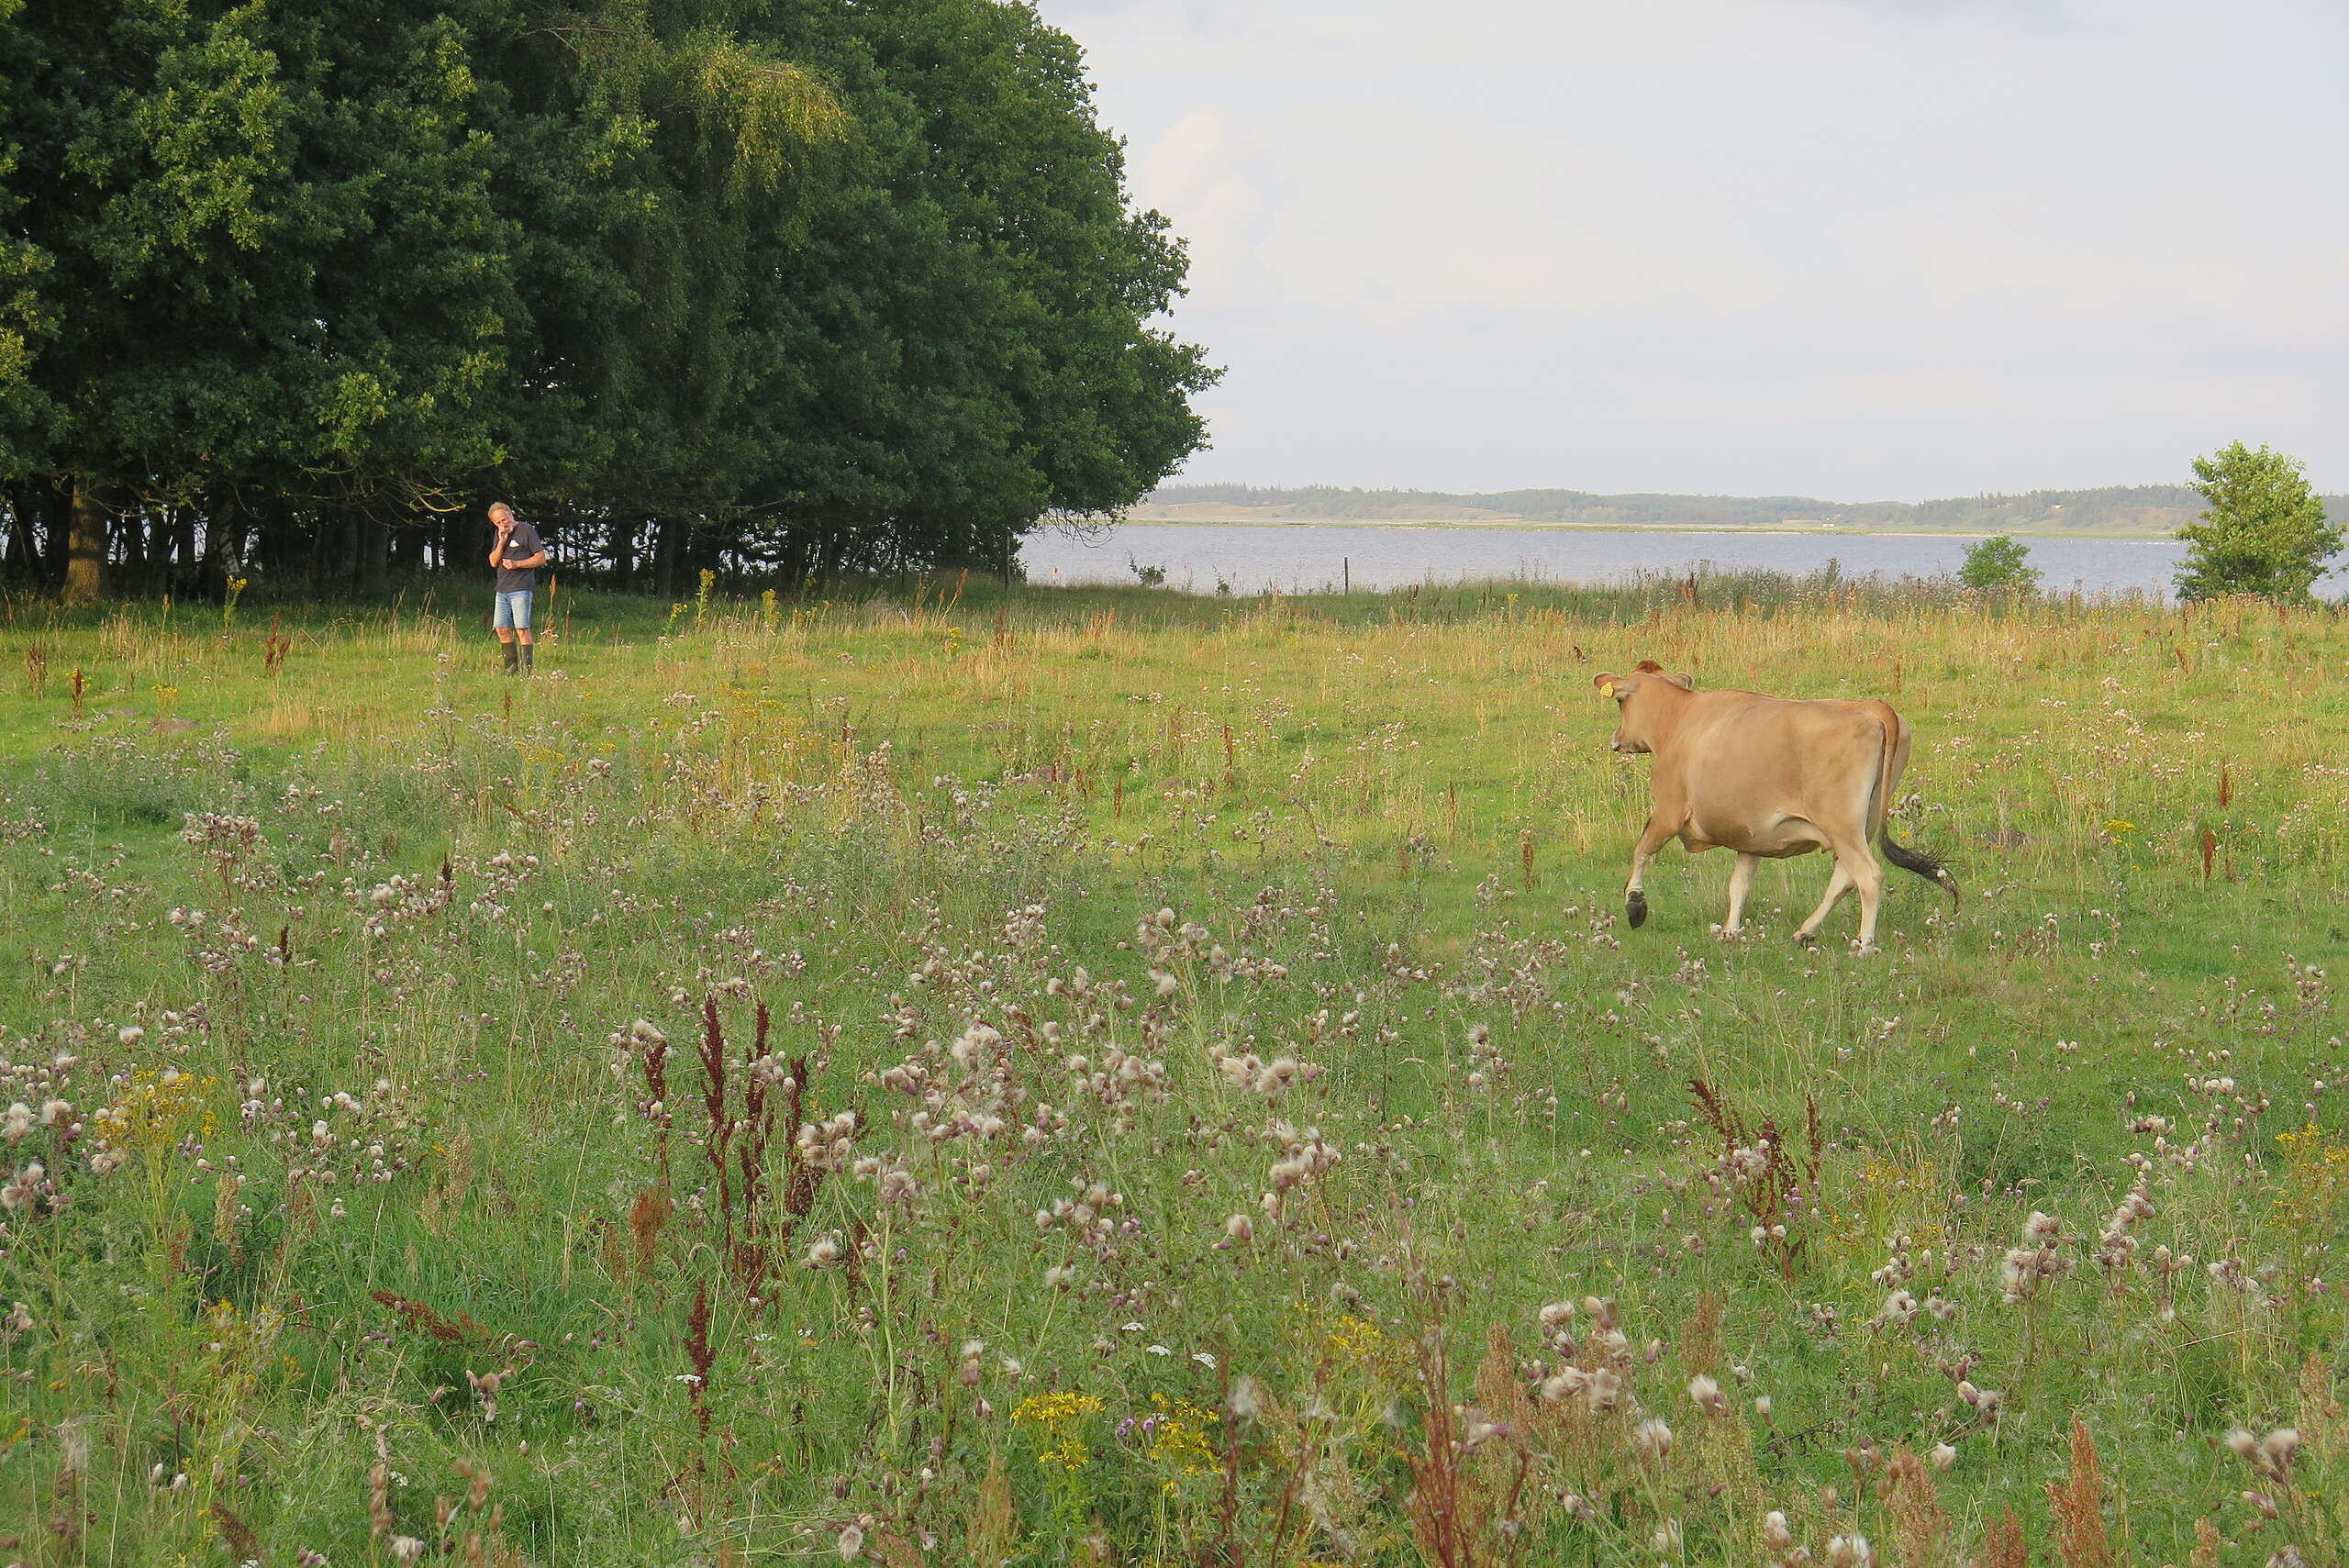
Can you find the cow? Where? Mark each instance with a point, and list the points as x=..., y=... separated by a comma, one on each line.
x=1766, y=777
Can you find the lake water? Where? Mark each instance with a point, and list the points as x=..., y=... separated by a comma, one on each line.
x=1303, y=558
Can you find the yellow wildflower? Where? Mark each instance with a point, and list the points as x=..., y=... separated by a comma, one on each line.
x=2315, y=1177
x=155, y=1110
x=1051, y=1409
x=1179, y=1436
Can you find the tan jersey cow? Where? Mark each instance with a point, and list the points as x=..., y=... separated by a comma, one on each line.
x=1767, y=777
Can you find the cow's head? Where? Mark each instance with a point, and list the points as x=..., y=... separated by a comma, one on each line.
x=1644, y=699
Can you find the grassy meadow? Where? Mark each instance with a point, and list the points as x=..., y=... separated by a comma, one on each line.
x=1097, y=1076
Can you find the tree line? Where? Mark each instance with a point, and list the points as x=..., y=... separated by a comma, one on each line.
x=2149, y=509
x=781, y=289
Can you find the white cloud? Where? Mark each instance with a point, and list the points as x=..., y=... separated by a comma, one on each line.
x=1215, y=180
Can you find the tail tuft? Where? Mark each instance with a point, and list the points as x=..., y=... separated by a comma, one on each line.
x=1927, y=866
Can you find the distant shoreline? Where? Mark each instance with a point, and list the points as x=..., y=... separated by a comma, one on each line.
x=1521, y=525
x=2147, y=512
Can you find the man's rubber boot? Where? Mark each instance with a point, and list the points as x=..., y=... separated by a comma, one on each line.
x=528, y=651
x=507, y=650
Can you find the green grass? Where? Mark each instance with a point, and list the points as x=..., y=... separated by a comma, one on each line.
x=1276, y=1311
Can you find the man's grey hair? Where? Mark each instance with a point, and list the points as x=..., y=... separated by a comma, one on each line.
x=506, y=506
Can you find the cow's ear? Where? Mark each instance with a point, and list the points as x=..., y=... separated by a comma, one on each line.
x=1683, y=682
x=1608, y=685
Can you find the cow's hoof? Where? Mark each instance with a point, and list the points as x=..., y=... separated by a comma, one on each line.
x=1635, y=910
x=1804, y=940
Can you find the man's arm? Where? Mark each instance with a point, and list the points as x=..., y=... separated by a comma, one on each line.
x=537, y=546
x=498, y=547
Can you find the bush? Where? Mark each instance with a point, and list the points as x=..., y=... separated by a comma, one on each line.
x=1999, y=565
x=2265, y=532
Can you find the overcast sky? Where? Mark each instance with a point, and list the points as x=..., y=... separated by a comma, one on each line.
x=1852, y=249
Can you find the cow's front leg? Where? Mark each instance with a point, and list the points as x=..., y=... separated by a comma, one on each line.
x=1635, y=900
x=1741, y=881
x=1837, y=885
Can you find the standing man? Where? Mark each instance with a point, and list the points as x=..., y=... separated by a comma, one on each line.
x=517, y=554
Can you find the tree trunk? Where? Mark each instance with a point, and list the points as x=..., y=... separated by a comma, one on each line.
x=131, y=532
x=85, y=546
x=791, y=561
x=827, y=557
x=623, y=554
x=330, y=552
x=407, y=546
x=374, y=543
x=183, y=541
x=665, y=555
x=238, y=545
x=285, y=544
x=211, y=578
x=14, y=557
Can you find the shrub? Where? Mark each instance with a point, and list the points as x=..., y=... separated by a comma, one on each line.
x=2265, y=532
x=1999, y=565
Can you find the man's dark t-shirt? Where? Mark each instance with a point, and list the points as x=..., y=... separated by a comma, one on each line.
x=520, y=545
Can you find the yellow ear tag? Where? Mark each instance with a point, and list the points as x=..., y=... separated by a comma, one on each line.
x=1608, y=690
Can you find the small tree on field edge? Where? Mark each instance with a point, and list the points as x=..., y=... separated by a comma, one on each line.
x=1999, y=565
x=2265, y=532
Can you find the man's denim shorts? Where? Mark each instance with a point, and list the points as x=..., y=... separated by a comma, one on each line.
x=513, y=611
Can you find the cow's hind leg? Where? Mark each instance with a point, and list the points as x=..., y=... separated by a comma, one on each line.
x=1837, y=885
x=1635, y=898
x=1855, y=868
x=1868, y=877
x=1741, y=881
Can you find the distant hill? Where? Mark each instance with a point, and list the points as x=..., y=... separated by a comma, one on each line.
x=2143, y=510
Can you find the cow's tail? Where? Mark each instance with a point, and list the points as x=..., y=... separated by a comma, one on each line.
x=1880, y=817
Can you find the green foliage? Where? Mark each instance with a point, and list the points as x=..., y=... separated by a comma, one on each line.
x=273, y=264
x=755, y=287
x=25, y=316
x=1999, y=565
x=961, y=343
x=2264, y=532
